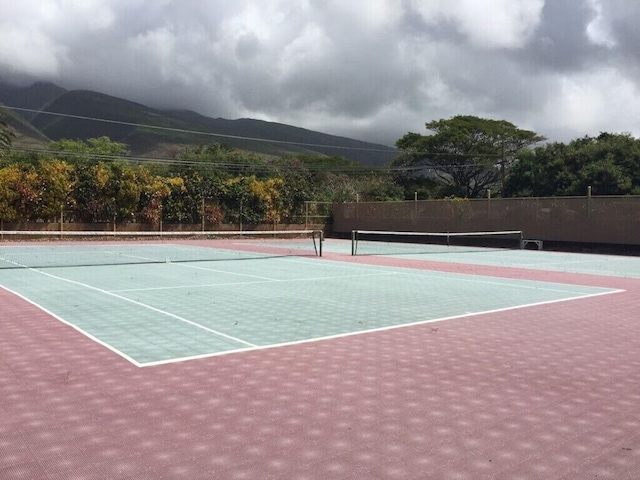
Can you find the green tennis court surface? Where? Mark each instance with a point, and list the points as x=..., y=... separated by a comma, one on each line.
x=163, y=312
x=594, y=264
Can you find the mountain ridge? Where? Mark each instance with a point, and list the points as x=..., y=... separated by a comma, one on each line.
x=88, y=114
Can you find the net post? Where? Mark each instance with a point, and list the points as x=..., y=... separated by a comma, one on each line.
x=306, y=214
x=521, y=240
x=321, y=242
x=354, y=241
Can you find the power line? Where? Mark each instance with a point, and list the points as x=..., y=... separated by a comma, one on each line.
x=197, y=132
x=255, y=139
x=228, y=165
x=165, y=161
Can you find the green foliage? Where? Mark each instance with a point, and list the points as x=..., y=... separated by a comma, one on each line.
x=609, y=164
x=296, y=188
x=223, y=161
x=19, y=192
x=93, y=146
x=55, y=184
x=218, y=184
x=10, y=178
x=466, y=154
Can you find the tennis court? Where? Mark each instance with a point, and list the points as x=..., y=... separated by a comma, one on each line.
x=263, y=359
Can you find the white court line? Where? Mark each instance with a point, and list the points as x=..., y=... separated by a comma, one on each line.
x=561, y=263
x=251, y=347
x=514, y=283
x=75, y=327
x=187, y=265
x=465, y=277
x=379, y=329
x=231, y=284
x=144, y=305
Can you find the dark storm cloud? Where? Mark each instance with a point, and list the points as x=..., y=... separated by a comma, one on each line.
x=372, y=69
x=623, y=17
x=561, y=43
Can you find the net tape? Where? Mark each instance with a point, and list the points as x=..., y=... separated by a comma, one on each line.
x=88, y=248
x=373, y=235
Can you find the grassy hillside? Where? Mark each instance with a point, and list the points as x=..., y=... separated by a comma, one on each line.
x=149, y=131
x=26, y=133
x=34, y=97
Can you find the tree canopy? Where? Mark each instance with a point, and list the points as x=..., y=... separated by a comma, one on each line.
x=608, y=163
x=465, y=154
x=95, y=181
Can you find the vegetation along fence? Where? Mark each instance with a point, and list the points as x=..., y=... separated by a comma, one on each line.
x=590, y=219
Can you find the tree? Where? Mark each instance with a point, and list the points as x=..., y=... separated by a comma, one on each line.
x=55, y=184
x=250, y=200
x=157, y=198
x=609, y=164
x=105, y=192
x=466, y=155
x=542, y=172
x=93, y=146
x=296, y=188
x=379, y=188
x=10, y=177
x=225, y=160
x=19, y=192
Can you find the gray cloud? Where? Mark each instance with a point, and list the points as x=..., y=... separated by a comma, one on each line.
x=371, y=69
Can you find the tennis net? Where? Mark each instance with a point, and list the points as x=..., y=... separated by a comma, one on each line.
x=380, y=242
x=50, y=249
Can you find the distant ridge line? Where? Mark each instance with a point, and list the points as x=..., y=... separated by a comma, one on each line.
x=196, y=132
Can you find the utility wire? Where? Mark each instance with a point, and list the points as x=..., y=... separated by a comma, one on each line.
x=197, y=132
x=254, y=139
x=232, y=165
x=228, y=165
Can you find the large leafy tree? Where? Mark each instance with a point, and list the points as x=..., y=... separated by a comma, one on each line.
x=19, y=193
x=10, y=178
x=161, y=198
x=106, y=191
x=466, y=155
x=55, y=185
x=609, y=164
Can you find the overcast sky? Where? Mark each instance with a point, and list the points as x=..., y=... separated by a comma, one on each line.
x=367, y=69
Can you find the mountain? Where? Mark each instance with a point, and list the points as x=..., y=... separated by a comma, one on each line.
x=34, y=97
x=153, y=132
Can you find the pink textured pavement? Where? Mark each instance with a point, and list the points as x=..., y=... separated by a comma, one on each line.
x=548, y=392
